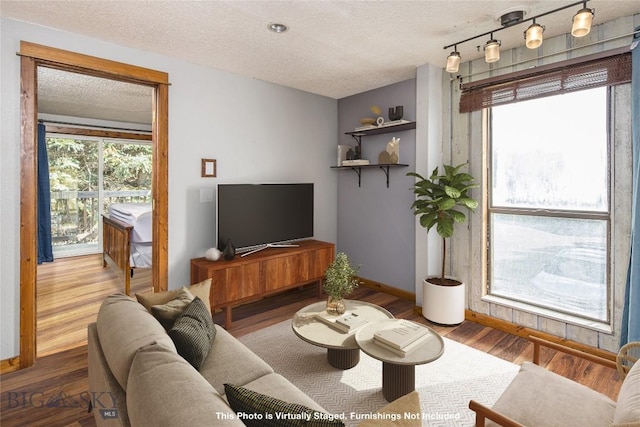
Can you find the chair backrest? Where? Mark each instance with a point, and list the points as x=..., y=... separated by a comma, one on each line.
x=628, y=405
x=627, y=356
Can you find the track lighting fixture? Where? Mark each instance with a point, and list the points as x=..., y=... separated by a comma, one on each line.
x=582, y=22
x=533, y=35
x=492, y=50
x=453, y=61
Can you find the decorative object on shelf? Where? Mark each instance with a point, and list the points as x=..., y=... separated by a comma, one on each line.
x=393, y=148
x=339, y=281
x=229, y=250
x=342, y=153
x=436, y=200
x=209, y=168
x=358, y=153
x=350, y=154
x=395, y=113
x=367, y=121
x=392, y=153
x=355, y=162
x=380, y=121
x=384, y=158
x=213, y=254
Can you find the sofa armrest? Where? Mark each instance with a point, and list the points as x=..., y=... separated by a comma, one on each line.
x=483, y=412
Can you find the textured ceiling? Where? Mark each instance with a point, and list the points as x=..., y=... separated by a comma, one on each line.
x=332, y=48
x=78, y=95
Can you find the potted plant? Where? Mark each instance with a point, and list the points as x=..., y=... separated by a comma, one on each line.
x=438, y=199
x=339, y=281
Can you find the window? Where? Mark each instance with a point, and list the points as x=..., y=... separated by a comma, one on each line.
x=548, y=205
x=86, y=176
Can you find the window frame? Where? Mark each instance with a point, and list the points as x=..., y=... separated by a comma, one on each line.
x=608, y=216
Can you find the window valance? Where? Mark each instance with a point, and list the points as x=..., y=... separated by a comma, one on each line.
x=601, y=69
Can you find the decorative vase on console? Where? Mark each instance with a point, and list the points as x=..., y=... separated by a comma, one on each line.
x=339, y=281
x=336, y=305
x=229, y=251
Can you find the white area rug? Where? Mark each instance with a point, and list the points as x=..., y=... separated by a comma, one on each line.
x=445, y=385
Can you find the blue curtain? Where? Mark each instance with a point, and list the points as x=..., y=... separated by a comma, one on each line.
x=630, y=330
x=45, y=251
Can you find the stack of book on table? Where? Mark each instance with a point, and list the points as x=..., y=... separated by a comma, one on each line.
x=402, y=337
x=347, y=322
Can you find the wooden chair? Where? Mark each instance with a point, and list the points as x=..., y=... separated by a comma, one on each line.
x=539, y=397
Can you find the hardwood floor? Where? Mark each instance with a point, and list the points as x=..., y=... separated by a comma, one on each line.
x=53, y=392
x=69, y=293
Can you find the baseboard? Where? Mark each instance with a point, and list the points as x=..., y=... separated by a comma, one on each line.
x=525, y=332
x=9, y=365
x=400, y=293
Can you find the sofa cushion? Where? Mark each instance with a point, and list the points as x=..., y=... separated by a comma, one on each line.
x=168, y=312
x=628, y=406
x=201, y=290
x=230, y=361
x=275, y=385
x=261, y=410
x=402, y=412
x=123, y=327
x=193, y=333
x=165, y=390
x=538, y=397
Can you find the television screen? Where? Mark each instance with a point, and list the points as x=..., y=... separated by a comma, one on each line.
x=252, y=215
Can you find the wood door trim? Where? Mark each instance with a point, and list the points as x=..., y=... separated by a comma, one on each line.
x=100, y=133
x=31, y=56
x=67, y=60
x=28, y=213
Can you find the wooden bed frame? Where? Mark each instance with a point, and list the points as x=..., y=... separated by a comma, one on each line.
x=116, y=242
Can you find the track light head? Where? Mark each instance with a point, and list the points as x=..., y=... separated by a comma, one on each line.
x=492, y=51
x=582, y=22
x=533, y=35
x=453, y=62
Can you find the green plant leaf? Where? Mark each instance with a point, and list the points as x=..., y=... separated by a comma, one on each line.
x=469, y=203
x=445, y=227
x=452, y=192
x=446, y=204
x=457, y=215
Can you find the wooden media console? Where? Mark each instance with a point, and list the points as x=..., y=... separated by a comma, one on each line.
x=267, y=272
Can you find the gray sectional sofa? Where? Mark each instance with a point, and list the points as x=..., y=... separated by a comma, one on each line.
x=137, y=378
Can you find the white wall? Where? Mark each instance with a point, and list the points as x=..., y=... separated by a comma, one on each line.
x=257, y=131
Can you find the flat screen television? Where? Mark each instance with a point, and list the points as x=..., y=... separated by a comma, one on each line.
x=256, y=215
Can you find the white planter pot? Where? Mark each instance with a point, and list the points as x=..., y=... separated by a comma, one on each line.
x=443, y=304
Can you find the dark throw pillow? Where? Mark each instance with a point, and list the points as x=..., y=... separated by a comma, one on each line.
x=193, y=332
x=260, y=410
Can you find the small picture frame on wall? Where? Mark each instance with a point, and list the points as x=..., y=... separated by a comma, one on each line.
x=209, y=168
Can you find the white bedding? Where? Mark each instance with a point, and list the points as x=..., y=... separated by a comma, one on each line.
x=139, y=216
x=136, y=214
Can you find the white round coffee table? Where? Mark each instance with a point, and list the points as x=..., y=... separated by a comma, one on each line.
x=398, y=372
x=343, y=351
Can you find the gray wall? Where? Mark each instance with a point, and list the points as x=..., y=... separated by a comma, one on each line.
x=375, y=223
x=257, y=131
